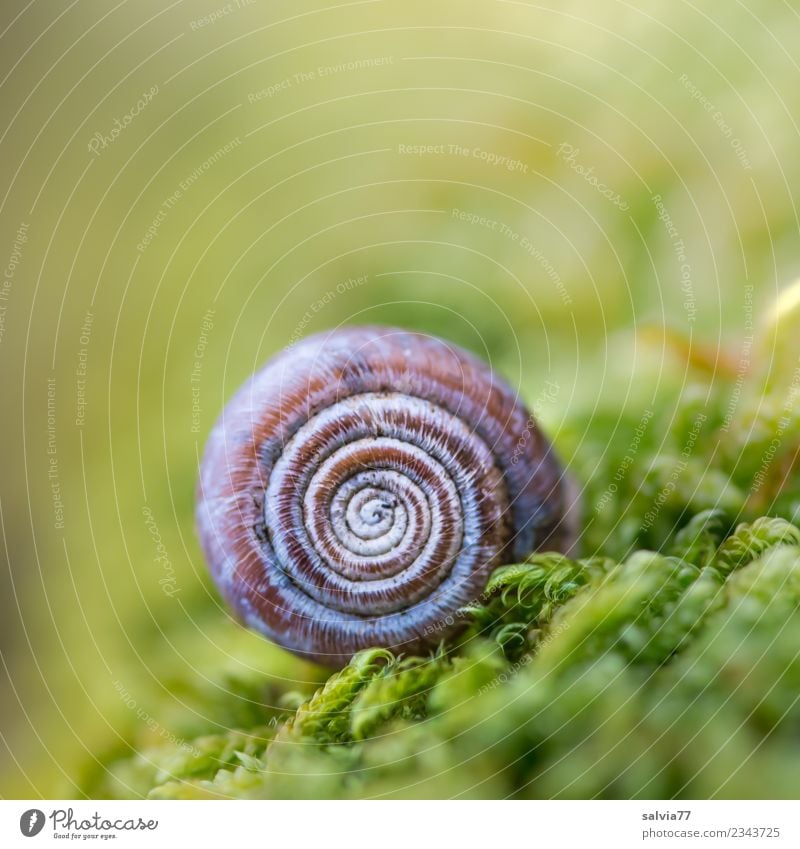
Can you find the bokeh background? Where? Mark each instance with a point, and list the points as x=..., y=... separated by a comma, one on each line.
x=572, y=190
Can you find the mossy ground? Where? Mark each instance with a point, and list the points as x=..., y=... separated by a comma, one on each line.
x=664, y=663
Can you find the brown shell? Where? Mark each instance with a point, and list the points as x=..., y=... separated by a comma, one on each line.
x=360, y=489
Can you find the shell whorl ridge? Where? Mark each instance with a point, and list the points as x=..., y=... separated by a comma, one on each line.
x=362, y=487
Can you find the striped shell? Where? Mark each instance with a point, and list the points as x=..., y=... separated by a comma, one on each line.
x=361, y=488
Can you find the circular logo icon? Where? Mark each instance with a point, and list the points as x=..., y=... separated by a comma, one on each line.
x=31, y=822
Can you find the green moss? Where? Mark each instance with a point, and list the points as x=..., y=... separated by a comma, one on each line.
x=655, y=676
x=662, y=663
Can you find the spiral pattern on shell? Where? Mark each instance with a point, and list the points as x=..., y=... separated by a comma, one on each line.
x=361, y=488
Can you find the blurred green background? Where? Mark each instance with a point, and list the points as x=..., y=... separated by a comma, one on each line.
x=187, y=187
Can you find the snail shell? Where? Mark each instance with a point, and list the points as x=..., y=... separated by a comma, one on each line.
x=362, y=487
